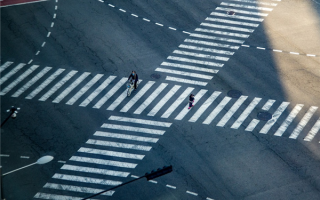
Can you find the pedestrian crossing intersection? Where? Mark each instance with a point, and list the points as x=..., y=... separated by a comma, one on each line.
x=158, y=100
x=105, y=160
x=207, y=49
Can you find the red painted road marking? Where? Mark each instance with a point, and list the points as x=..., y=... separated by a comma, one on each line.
x=5, y=3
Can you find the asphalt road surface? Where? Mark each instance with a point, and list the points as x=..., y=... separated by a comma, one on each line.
x=253, y=133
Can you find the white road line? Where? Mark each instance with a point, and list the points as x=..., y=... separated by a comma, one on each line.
x=146, y=19
x=209, y=198
x=237, y=17
x=245, y=113
x=44, y=43
x=185, y=110
x=152, y=181
x=27, y=157
x=261, y=48
x=140, y=121
x=200, y=62
x=222, y=33
x=134, y=15
x=134, y=176
x=172, y=28
x=103, y=162
x=31, y=82
x=5, y=66
x=41, y=195
x=150, y=99
x=314, y=130
x=52, y=24
x=48, y=35
x=252, y=125
x=275, y=117
x=211, y=44
x=217, y=38
x=242, y=11
x=276, y=50
x=217, y=110
x=61, y=161
x=288, y=120
x=195, y=194
x=171, y=186
x=126, y=137
x=246, y=6
x=183, y=73
x=37, y=53
x=268, y=105
x=58, y=85
x=119, y=145
x=71, y=87
x=199, y=55
x=295, y=53
x=231, y=22
x=111, y=5
x=111, y=153
x=178, y=101
x=73, y=188
x=206, y=49
x=303, y=122
x=18, y=80
x=190, y=67
x=181, y=80
x=83, y=90
x=233, y=28
x=45, y=83
x=84, y=179
x=245, y=45
x=120, y=98
x=137, y=96
x=231, y=111
x=132, y=128
x=159, y=24
x=164, y=100
x=12, y=72
x=122, y=10
x=94, y=170
x=100, y=89
x=4, y=155
x=311, y=55
x=257, y=2
x=204, y=106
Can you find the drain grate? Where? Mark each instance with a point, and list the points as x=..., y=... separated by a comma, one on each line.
x=264, y=116
x=234, y=93
x=155, y=76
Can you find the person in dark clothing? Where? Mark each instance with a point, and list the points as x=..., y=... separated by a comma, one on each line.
x=134, y=77
x=191, y=100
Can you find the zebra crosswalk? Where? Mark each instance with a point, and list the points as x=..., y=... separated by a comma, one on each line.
x=159, y=100
x=214, y=42
x=103, y=161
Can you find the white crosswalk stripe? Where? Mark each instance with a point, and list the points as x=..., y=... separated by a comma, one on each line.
x=246, y=6
x=94, y=170
x=314, y=130
x=85, y=179
x=71, y=87
x=231, y=22
x=103, y=162
x=119, y=145
x=11, y=73
x=245, y=113
x=44, y=84
x=190, y=67
x=209, y=37
x=205, y=49
x=231, y=111
x=42, y=195
x=228, y=27
x=275, y=117
x=31, y=82
x=140, y=121
x=100, y=89
x=132, y=128
x=256, y=2
x=73, y=188
x=58, y=85
x=183, y=73
x=199, y=55
x=126, y=137
x=204, y=106
x=111, y=153
x=288, y=120
x=18, y=80
x=237, y=17
x=137, y=96
x=222, y=33
x=178, y=101
x=242, y=11
x=181, y=80
x=84, y=89
x=216, y=111
x=185, y=111
x=5, y=65
x=150, y=99
x=164, y=100
x=303, y=122
x=211, y=44
x=195, y=61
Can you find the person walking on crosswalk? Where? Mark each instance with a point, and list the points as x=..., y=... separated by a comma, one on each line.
x=191, y=100
x=134, y=77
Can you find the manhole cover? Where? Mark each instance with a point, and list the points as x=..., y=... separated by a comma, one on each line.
x=234, y=93
x=264, y=116
x=231, y=13
x=155, y=76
